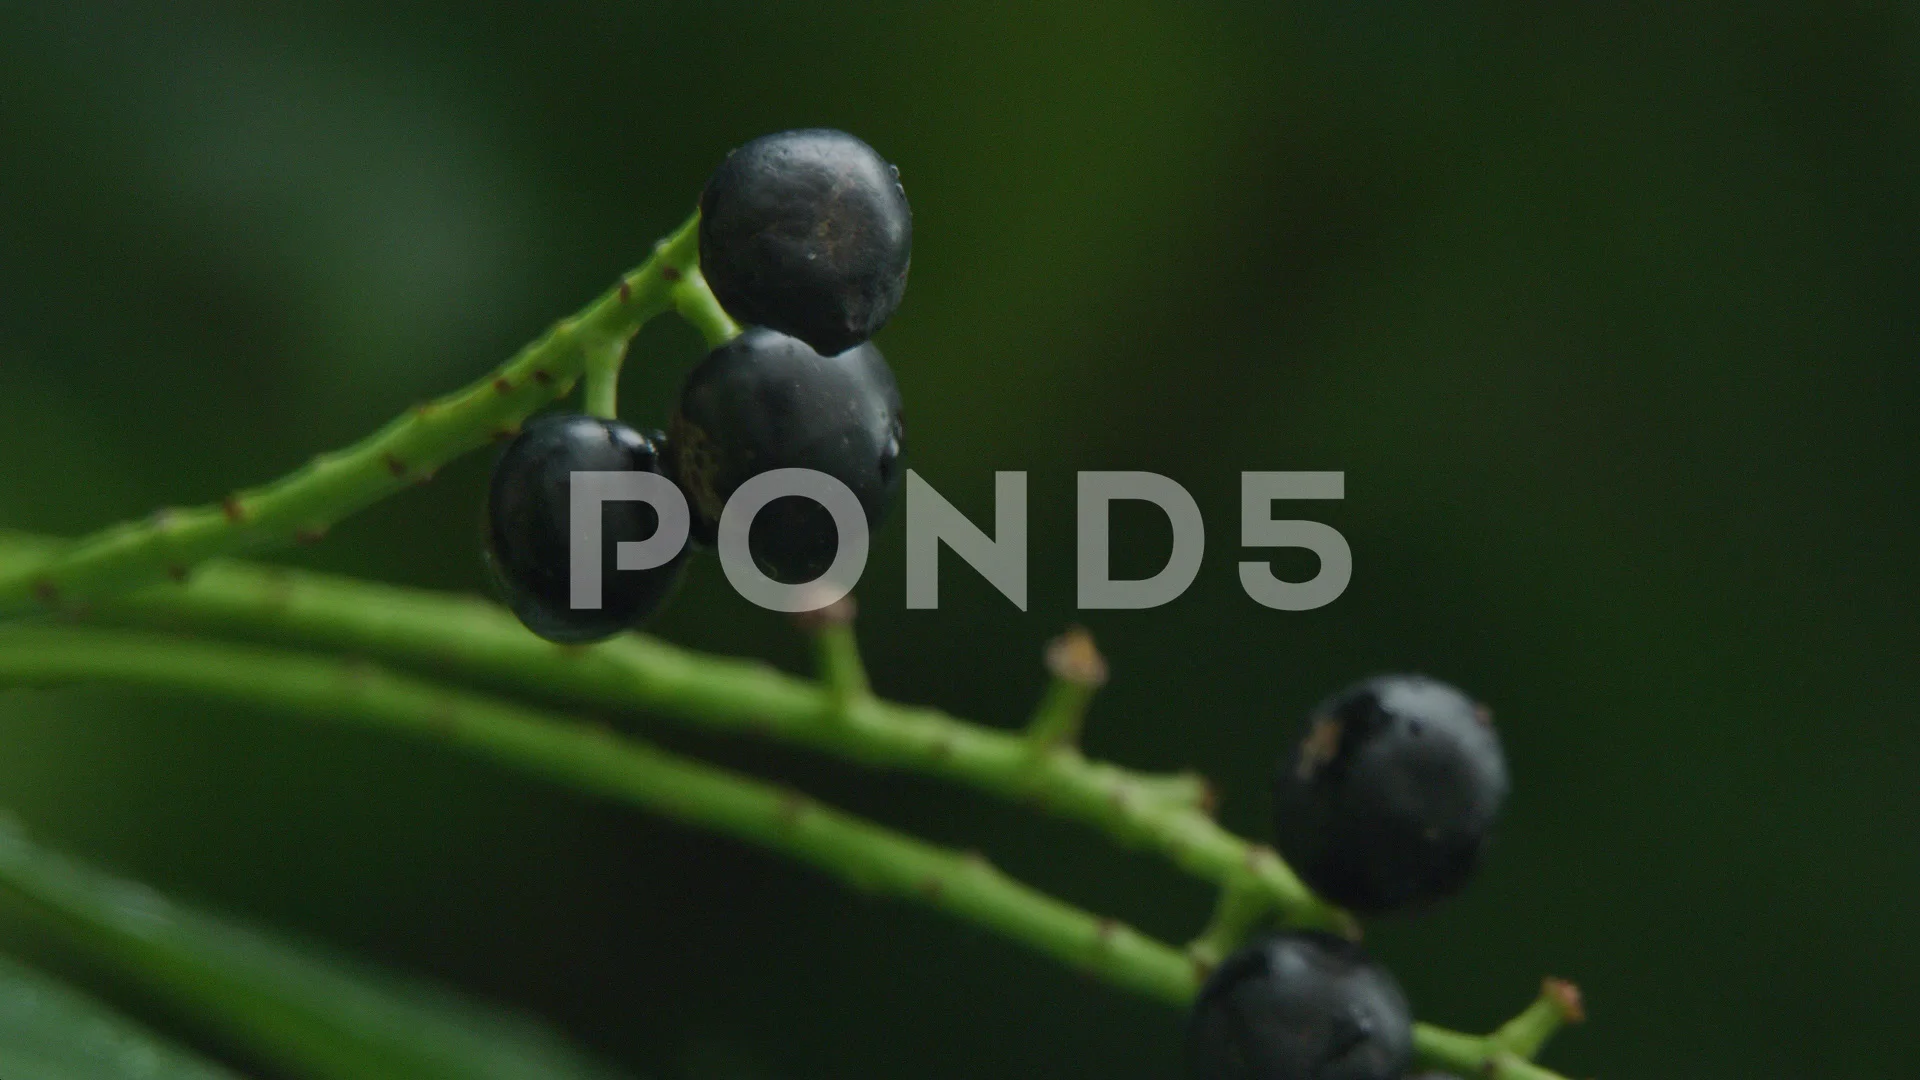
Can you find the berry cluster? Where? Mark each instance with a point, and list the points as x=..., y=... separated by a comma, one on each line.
x=1390, y=791
x=1383, y=804
x=805, y=238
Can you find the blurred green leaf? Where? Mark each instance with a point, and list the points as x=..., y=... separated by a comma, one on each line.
x=49, y=1031
x=310, y=1013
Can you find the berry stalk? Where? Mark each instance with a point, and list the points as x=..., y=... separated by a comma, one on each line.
x=408, y=450
x=480, y=642
x=1473, y=1055
x=695, y=302
x=1236, y=914
x=1076, y=670
x=837, y=654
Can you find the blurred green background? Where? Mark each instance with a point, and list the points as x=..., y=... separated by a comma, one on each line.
x=1609, y=313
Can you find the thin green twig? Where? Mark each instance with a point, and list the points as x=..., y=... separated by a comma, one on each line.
x=1075, y=669
x=600, y=395
x=481, y=642
x=836, y=652
x=695, y=303
x=595, y=759
x=1507, y=1053
x=305, y=503
x=1236, y=914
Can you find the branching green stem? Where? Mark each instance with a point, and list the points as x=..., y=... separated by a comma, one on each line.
x=481, y=642
x=1506, y=1054
x=305, y=503
x=1042, y=765
x=595, y=759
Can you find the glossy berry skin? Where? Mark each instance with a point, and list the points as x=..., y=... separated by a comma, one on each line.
x=807, y=232
x=527, y=527
x=767, y=401
x=1389, y=796
x=1299, y=1006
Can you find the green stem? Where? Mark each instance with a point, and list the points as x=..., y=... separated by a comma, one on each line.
x=1057, y=720
x=1077, y=670
x=696, y=303
x=842, y=674
x=1524, y=1035
x=601, y=396
x=1472, y=1055
x=482, y=643
x=1236, y=914
x=852, y=849
x=305, y=503
x=1506, y=1054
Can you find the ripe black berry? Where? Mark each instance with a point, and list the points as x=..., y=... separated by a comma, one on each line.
x=1388, y=798
x=1300, y=1006
x=767, y=401
x=528, y=518
x=807, y=232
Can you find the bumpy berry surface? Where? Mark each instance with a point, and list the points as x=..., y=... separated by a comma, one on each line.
x=807, y=232
x=767, y=401
x=1389, y=796
x=1300, y=1006
x=527, y=527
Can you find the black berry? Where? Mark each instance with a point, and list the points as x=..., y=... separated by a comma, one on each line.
x=807, y=232
x=767, y=401
x=1390, y=795
x=1300, y=1006
x=528, y=519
